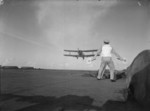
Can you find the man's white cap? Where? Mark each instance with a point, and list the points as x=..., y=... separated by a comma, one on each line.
x=106, y=41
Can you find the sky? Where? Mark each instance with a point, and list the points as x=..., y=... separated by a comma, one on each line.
x=36, y=32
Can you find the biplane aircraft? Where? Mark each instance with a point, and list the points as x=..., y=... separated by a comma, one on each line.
x=80, y=53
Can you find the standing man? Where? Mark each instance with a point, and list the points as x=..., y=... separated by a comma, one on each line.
x=106, y=59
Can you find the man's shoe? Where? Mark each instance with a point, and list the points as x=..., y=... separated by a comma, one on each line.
x=112, y=80
x=99, y=78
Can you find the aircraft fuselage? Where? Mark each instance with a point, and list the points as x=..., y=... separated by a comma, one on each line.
x=81, y=54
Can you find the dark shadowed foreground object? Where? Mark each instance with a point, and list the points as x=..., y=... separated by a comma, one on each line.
x=138, y=79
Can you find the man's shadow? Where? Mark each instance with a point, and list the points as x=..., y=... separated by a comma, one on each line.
x=48, y=103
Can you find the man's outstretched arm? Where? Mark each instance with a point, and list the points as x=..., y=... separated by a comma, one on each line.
x=117, y=55
x=98, y=52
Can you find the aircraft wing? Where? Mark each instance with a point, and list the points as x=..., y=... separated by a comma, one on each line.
x=71, y=55
x=94, y=50
x=91, y=55
x=71, y=50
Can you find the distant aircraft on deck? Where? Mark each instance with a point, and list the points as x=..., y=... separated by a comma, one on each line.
x=80, y=53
